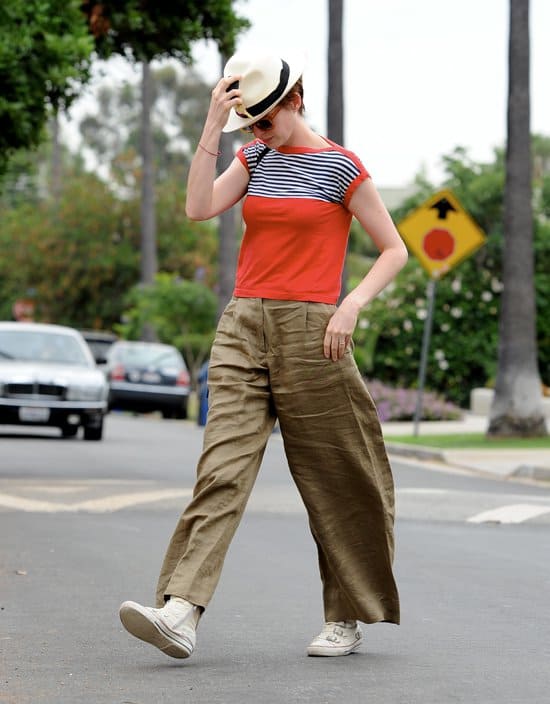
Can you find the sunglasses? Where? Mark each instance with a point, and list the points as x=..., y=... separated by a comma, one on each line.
x=265, y=123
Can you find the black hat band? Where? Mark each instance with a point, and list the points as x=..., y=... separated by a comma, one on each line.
x=274, y=96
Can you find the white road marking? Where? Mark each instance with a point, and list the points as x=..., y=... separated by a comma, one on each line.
x=30, y=505
x=103, y=505
x=513, y=513
x=420, y=490
x=56, y=489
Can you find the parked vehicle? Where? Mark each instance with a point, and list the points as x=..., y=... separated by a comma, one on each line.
x=147, y=376
x=48, y=377
x=99, y=343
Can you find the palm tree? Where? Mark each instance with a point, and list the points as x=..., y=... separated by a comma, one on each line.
x=335, y=98
x=148, y=216
x=227, y=258
x=517, y=405
x=335, y=93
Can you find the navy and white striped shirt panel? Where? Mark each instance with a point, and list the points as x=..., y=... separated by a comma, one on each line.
x=325, y=175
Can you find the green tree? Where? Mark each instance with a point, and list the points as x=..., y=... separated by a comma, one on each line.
x=110, y=127
x=463, y=351
x=149, y=29
x=144, y=30
x=45, y=51
x=79, y=259
x=182, y=313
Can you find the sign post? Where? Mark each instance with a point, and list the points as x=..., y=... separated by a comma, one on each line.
x=441, y=234
x=424, y=353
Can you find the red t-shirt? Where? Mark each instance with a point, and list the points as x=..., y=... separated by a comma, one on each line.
x=296, y=221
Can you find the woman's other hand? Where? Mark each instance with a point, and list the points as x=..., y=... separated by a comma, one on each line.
x=340, y=330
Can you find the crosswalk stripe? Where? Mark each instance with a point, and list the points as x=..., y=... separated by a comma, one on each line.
x=513, y=513
x=30, y=505
x=414, y=490
x=103, y=505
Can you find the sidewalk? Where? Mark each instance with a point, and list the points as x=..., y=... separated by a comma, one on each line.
x=503, y=463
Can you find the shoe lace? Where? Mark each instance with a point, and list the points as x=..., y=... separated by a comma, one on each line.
x=334, y=630
x=179, y=614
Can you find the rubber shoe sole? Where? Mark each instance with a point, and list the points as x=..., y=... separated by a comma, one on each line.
x=333, y=650
x=143, y=624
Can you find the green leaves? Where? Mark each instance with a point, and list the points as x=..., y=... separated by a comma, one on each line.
x=46, y=47
x=463, y=349
x=182, y=313
x=45, y=53
x=147, y=29
x=81, y=256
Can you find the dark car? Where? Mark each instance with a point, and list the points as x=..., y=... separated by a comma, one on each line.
x=48, y=377
x=147, y=376
x=99, y=342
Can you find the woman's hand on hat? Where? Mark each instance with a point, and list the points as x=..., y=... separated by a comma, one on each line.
x=225, y=95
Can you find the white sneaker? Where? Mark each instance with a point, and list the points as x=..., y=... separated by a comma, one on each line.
x=172, y=629
x=336, y=638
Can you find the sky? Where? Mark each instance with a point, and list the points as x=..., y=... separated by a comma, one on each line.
x=420, y=76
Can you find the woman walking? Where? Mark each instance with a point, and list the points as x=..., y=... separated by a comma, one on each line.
x=283, y=351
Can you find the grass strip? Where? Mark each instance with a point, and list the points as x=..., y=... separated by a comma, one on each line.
x=464, y=441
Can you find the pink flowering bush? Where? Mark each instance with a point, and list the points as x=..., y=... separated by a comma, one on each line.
x=400, y=404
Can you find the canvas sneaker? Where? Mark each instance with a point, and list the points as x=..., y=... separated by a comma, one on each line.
x=172, y=629
x=336, y=638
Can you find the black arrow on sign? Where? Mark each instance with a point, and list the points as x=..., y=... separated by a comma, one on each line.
x=443, y=207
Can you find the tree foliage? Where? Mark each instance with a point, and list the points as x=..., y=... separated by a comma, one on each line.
x=181, y=313
x=46, y=47
x=148, y=29
x=143, y=30
x=45, y=50
x=111, y=131
x=77, y=261
x=463, y=350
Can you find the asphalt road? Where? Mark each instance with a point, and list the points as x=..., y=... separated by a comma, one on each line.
x=84, y=525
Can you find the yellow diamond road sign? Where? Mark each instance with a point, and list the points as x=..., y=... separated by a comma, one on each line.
x=440, y=233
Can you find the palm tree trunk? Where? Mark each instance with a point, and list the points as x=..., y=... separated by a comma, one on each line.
x=335, y=94
x=148, y=219
x=335, y=97
x=227, y=252
x=227, y=257
x=148, y=216
x=56, y=161
x=517, y=407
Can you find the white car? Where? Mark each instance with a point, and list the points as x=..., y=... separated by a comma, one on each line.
x=48, y=377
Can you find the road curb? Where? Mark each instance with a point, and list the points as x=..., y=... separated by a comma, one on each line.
x=420, y=452
x=528, y=471
x=425, y=453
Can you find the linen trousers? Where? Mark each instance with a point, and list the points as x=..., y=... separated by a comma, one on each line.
x=266, y=363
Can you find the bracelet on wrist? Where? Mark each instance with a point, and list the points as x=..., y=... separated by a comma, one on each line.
x=208, y=151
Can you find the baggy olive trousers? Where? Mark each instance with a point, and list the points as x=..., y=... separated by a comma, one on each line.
x=267, y=362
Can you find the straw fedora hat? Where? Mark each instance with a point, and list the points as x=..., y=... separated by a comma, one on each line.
x=265, y=80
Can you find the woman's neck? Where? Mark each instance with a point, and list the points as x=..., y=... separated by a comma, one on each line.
x=304, y=136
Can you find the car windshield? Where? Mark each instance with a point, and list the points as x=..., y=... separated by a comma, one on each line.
x=41, y=346
x=147, y=355
x=99, y=348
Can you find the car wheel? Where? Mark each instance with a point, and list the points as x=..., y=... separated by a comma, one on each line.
x=69, y=431
x=181, y=412
x=93, y=433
